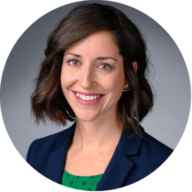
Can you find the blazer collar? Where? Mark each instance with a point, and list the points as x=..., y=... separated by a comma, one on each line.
x=57, y=157
x=120, y=166
x=117, y=169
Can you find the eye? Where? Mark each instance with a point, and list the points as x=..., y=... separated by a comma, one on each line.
x=109, y=66
x=72, y=61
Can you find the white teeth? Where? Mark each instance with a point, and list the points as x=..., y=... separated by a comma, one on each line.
x=87, y=98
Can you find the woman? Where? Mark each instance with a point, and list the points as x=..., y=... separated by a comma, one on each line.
x=94, y=73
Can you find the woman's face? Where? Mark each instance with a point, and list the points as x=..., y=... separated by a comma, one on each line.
x=93, y=67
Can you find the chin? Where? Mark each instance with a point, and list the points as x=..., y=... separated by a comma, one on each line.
x=86, y=116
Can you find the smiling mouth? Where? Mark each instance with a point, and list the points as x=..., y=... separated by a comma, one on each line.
x=88, y=97
x=91, y=94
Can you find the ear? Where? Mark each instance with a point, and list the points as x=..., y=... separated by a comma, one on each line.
x=135, y=65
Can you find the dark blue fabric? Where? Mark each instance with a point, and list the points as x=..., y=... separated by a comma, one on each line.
x=133, y=159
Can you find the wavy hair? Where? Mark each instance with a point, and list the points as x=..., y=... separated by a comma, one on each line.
x=48, y=100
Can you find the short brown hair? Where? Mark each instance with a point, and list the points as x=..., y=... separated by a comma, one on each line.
x=48, y=100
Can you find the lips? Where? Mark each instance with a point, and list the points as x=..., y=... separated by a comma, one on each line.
x=88, y=94
x=89, y=102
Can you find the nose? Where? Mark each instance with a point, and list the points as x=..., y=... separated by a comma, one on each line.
x=86, y=77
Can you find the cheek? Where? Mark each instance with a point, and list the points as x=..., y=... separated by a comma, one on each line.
x=66, y=78
x=118, y=80
x=66, y=82
x=115, y=90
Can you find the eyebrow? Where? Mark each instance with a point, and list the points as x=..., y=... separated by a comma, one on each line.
x=98, y=58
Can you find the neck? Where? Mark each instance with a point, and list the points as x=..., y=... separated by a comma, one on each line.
x=98, y=135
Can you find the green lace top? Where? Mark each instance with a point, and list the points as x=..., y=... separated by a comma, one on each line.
x=88, y=183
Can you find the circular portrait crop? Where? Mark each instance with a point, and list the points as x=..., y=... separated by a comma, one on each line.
x=98, y=94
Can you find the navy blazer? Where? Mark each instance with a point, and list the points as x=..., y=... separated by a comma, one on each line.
x=134, y=157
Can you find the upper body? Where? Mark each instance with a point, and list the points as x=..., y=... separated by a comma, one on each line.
x=94, y=72
x=134, y=157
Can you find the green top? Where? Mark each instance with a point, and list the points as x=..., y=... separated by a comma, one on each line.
x=88, y=183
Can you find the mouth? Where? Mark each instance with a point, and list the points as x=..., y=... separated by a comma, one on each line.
x=90, y=101
x=86, y=94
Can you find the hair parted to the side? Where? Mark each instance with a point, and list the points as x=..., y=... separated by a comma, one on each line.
x=48, y=101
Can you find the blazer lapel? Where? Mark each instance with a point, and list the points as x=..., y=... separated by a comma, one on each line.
x=55, y=164
x=57, y=157
x=117, y=170
x=120, y=166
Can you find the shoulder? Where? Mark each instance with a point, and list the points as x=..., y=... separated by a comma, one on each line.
x=47, y=144
x=143, y=155
x=151, y=154
x=42, y=143
x=51, y=139
x=153, y=146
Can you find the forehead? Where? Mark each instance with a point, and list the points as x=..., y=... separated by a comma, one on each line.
x=102, y=42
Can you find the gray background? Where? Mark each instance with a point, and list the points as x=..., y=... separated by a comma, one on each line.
x=169, y=79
